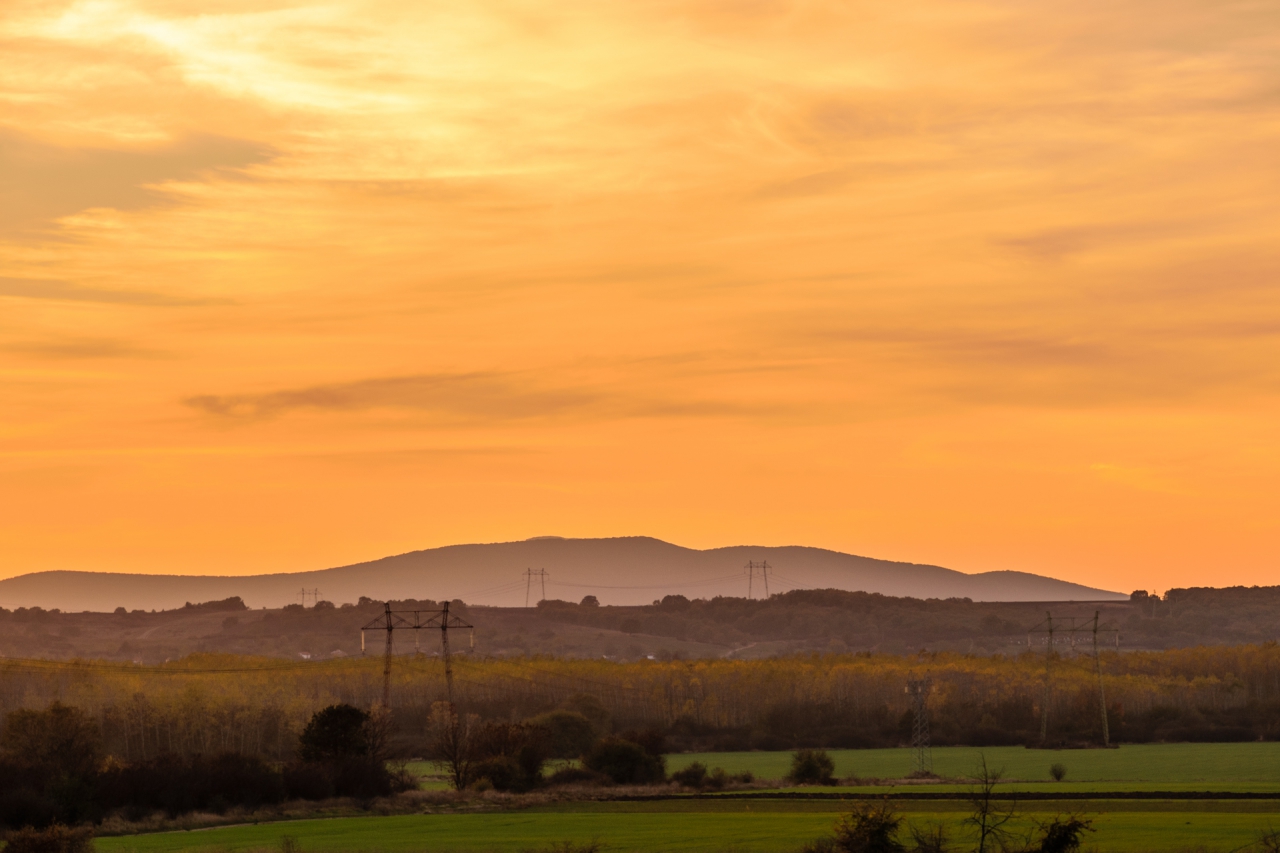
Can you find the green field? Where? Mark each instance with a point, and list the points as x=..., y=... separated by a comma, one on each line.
x=674, y=826
x=1188, y=766
x=769, y=826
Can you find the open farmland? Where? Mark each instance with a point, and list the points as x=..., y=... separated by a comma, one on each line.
x=1180, y=766
x=687, y=825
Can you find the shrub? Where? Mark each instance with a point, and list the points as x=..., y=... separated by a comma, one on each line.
x=503, y=773
x=308, y=780
x=54, y=754
x=825, y=844
x=1058, y=772
x=25, y=806
x=625, y=762
x=566, y=734
x=930, y=839
x=1062, y=835
x=576, y=776
x=812, y=767
x=338, y=731
x=568, y=847
x=692, y=776
x=54, y=839
x=175, y=784
x=869, y=829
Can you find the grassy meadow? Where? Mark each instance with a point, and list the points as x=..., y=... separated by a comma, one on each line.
x=1180, y=766
x=691, y=826
x=769, y=825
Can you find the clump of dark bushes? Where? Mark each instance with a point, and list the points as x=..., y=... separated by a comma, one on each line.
x=176, y=784
x=812, y=767
x=626, y=762
x=53, y=773
x=55, y=838
x=697, y=776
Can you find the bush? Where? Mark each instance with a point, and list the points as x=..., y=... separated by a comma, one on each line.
x=54, y=839
x=51, y=760
x=869, y=829
x=566, y=734
x=176, y=785
x=625, y=762
x=26, y=806
x=1058, y=772
x=697, y=776
x=576, y=776
x=1062, y=835
x=360, y=778
x=692, y=776
x=335, y=732
x=812, y=767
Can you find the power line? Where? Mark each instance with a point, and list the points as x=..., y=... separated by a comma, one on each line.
x=529, y=575
x=422, y=619
x=650, y=586
x=751, y=569
x=1072, y=625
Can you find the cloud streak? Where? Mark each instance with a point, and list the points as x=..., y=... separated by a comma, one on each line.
x=64, y=291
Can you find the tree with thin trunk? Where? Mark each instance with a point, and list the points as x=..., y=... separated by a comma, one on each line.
x=452, y=742
x=990, y=816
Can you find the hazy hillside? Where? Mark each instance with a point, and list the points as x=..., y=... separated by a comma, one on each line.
x=624, y=571
x=801, y=621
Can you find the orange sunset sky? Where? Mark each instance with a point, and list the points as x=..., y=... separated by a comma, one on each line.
x=987, y=284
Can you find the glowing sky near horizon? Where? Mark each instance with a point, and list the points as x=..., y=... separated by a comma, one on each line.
x=987, y=284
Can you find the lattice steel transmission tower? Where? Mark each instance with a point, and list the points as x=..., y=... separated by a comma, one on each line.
x=393, y=620
x=918, y=689
x=1071, y=626
x=304, y=594
x=751, y=568
x=529, y=575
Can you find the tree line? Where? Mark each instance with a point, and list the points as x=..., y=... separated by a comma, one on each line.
x=210, y=704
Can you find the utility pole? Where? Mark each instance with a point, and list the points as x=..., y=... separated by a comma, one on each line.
x=421, y=620
x=1048, y=681
x=529, y=575
x=918, y=689
x=751, y=569
x=1072, y=625
x=1097, y=666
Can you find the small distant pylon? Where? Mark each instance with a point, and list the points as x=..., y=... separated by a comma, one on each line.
x=304, y=594
x=918, y=689
x=763, y=568
x=529, y=575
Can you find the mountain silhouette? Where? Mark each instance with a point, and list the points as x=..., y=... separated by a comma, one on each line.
x=623, y=570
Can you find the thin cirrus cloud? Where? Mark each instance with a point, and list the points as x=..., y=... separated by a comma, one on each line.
x=489, y=396
x=65, y=291
x=40, y=182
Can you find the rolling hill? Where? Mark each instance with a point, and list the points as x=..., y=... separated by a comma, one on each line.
x=625, y=570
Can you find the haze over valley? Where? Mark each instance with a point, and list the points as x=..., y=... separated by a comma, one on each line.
x=625, y=570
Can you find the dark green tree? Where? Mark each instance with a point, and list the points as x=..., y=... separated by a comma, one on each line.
x=334, y=733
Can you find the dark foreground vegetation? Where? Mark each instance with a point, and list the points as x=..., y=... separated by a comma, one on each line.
x=824, y=621
x=54, y=770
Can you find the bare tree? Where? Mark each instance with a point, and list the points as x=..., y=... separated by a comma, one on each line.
x=990, y=816
x=377, y=731
x=930, y=839
x=453, y=742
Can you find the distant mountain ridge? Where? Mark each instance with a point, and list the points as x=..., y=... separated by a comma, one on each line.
x=623, y=570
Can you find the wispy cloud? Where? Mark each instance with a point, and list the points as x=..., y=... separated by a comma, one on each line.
x=43, y=288
x=40, y=182
x=489, y=396
x=80, y=348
